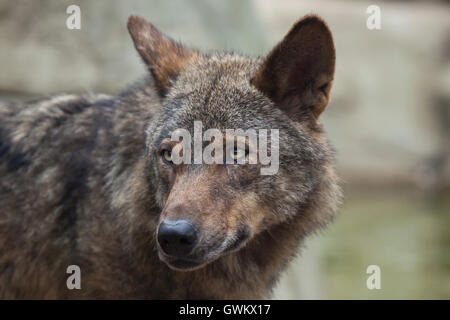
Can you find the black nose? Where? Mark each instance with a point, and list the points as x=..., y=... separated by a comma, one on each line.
x=177, y=237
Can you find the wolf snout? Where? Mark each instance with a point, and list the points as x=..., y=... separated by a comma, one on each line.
x=177, y=237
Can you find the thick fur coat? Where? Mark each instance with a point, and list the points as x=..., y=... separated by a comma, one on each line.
x=83, y=182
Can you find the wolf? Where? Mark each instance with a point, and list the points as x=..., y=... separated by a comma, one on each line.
x=89, y=181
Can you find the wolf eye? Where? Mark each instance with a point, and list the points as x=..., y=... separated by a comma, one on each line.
x=238, y=153
x=166, y=156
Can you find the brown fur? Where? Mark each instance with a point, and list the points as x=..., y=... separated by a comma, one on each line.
x=83, y=181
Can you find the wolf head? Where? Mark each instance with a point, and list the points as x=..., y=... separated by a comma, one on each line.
x=209, y=210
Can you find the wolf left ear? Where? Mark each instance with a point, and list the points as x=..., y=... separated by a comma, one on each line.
x=164, y=57
x=298, y=73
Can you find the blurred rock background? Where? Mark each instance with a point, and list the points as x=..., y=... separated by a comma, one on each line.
x=389, y=117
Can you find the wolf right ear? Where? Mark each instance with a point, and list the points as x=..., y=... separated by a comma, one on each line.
x=298, y=73
x=164, y=57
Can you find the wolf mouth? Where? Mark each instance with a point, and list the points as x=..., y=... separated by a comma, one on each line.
x=180, y=264
x=186, y=264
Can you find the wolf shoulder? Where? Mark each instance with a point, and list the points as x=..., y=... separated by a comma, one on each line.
x=42, y=131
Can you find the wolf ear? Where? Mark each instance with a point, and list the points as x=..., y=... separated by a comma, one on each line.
x=164, y=57
x=298, y=73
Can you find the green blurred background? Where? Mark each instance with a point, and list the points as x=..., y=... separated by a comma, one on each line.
x=389, y=117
